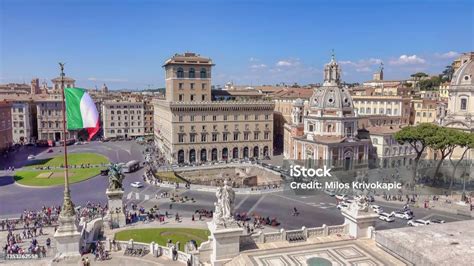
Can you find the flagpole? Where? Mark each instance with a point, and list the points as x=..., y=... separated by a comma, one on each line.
x=68, y=206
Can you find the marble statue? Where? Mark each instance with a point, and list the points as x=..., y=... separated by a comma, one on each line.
x=115, y=177
x=225, y=204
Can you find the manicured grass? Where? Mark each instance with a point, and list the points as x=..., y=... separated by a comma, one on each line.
x=30, y=178
x=73, y=159
x=169, y=176
x=161, y=235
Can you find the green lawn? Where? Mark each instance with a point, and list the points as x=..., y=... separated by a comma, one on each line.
x=169, y=176
x=73, y=159
x=30, y=178
x=161, y=235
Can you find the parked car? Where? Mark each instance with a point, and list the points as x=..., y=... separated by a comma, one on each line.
x=342, y=197
x=342, y=205
x=437, y=221
x=402, y=214
x=50, y=150
x=386, y=217
x=376, y=208
x=136, y=184
x=418, y=222
x=31, y=157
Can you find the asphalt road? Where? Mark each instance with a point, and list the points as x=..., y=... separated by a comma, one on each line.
x=315, y=209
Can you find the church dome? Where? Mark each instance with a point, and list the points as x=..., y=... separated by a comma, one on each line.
x=464, y=74
x=331, y=97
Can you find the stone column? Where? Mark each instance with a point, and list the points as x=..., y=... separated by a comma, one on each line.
x=115, y=214
x=359, y=220
x=225, y=243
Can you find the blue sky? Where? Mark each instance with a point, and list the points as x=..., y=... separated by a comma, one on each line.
x=124, y=43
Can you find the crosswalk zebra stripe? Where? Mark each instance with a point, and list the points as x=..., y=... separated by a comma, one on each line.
x=129, y=195
x=147, y=197
x=137, y=196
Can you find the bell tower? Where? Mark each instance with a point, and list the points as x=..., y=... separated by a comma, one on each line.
x=332, y=73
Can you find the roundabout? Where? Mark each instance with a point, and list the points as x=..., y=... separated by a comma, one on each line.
x=50, y=172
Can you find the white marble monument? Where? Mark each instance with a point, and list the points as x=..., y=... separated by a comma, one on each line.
x=115, y=214
x=224, y=230
x=360, y=218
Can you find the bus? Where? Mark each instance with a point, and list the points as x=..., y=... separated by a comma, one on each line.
x=131, y=166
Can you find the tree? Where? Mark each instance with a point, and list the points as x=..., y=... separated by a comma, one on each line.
x=448, y=73
x=417, y=137
x=444, y=141
x=466, y=141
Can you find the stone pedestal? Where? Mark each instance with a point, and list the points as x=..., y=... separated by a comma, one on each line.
x=225, y=242
x=67, y=238
x=359, y=221
x=115, y=216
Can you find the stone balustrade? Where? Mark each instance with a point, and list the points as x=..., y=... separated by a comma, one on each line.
x=302, y=234
x=153, y=248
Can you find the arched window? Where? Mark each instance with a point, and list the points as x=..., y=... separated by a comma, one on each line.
x=180, y=72
x=463, y=104
x=389, y=111
x=203, y=73
x=192, y=73
x=368, y=111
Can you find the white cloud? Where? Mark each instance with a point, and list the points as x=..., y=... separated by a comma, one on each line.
x=258, y=66
x=288, y=63
x=107, y=79
x=408, y=60
x=253, y=59
x=447, y=55
x=362, y=65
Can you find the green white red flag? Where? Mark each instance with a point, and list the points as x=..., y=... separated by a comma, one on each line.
x=81, y=111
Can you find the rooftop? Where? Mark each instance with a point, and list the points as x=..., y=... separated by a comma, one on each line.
x=188, y=58
x=436, y=244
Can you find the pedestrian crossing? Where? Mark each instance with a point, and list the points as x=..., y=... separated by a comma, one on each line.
x=322, y=205
x=137, y=196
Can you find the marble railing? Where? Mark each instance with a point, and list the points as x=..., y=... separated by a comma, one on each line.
x=153, y=248
x=305, y=233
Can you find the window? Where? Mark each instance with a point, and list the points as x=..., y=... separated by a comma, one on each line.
x=203, y=137
x=192, y=118
x=180, y=138
x=418, y=114
x=267, y=117
x=256, y=117
x=214, y=137
x=203, y=98
x=180, y=72
x=203, y=73
x=464, y=104
x=192, y=86
x=224, y=137
x=181, y=97
x=246, y=136
x=266, y=135
x=214, y=118
x=225, y=117
x=192, y=138
x=236, y=117
x=192, y=73
x=236, y=136
x=203, y=118
x=192, y=97
x=255, y=135
x=180, y=86
x=180, y=118
x=203, y=86
x=381, y=110
x=246, y=117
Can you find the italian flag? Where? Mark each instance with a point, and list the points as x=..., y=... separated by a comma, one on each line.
x=81, y=111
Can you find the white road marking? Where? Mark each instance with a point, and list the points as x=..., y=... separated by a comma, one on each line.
x=147, y=197
x=256, y=203
x=129, y=195
x=242, y=201
x=137, y=196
